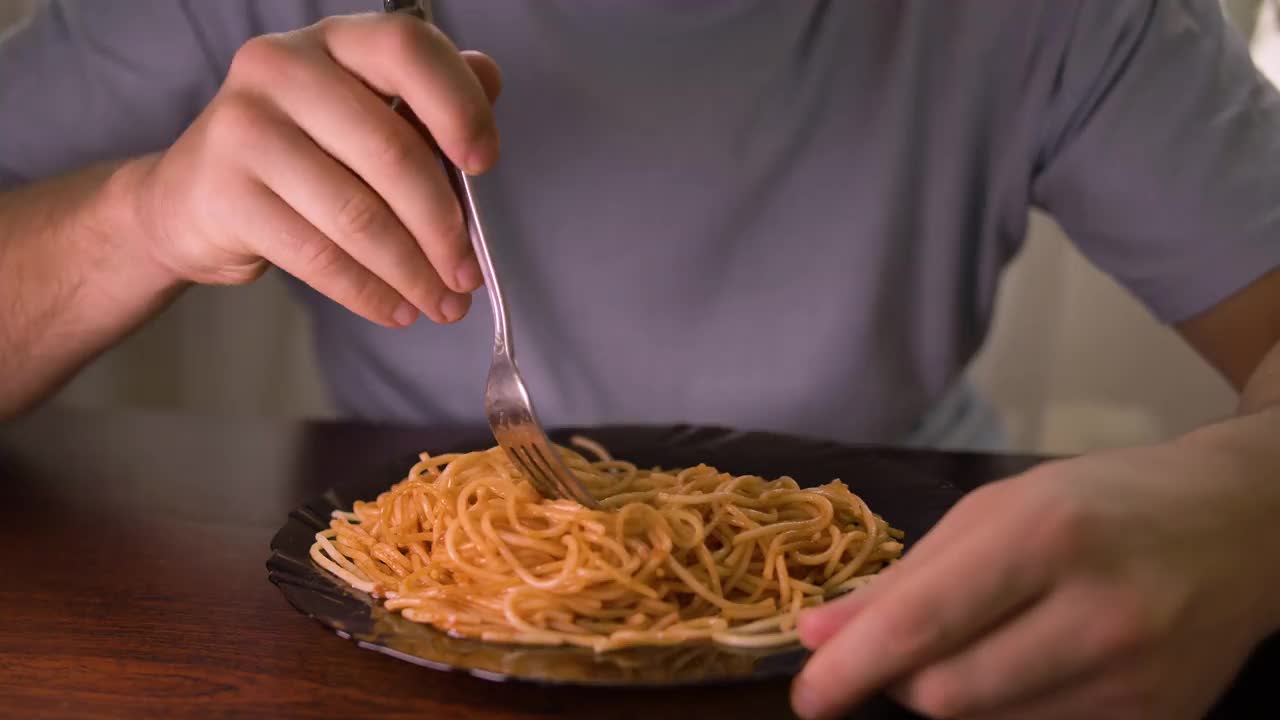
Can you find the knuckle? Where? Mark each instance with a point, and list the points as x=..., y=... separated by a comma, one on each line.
x=474, y=120
x=239, y=274
x=1127, y=623
x=434, y=34
x=370, y=295
x=425, y=292
x=235, y=119
x=259, y=58
x=326, y=25
x=468, y=126
x=404, y=36
x=362, y=215
x=315, y=258
x=276, y=60
x=428, y=35
x=395, y=150
x=422, y=286
x=1062, y=530
x=452, y=232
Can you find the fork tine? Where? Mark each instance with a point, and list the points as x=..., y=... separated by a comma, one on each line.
x=533, y=462
x=540, y=478
x=524, y=464
x=549, y=465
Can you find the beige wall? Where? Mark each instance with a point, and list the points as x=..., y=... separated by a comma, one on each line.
x=1073, y=361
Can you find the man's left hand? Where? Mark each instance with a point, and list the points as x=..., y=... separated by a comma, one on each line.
x=1129, y=584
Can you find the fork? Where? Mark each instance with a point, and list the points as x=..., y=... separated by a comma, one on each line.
x=506, y=399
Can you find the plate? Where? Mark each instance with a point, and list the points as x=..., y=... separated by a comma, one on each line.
x=912, y=495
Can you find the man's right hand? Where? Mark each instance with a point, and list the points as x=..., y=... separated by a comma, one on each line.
x=299, y=162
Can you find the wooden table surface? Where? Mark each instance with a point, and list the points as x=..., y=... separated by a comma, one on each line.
x=133, y=583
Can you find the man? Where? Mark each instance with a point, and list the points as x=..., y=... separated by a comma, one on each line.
x=788, y=216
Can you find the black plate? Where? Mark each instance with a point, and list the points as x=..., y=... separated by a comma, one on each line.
x=912, y=496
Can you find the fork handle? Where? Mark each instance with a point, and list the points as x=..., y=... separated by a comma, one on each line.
x=418, y=8
x=462, y=190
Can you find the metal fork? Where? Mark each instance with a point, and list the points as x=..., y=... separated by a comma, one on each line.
x=506, y=399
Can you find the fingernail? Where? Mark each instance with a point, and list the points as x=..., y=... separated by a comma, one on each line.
x=804, y=702
x=453, y=307
x=405, y=314
x=468, y=277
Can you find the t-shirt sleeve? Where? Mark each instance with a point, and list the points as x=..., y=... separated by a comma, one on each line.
x=90, y=80
x=1161, y=152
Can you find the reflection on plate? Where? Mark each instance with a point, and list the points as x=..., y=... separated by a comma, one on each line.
x=912, y=502
x=695, y=663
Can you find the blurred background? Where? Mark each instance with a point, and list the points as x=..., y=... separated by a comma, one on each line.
x=1073, y=363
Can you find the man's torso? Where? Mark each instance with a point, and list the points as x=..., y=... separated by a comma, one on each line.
x=787, y=216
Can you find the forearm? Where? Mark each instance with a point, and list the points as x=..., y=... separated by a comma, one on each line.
x=1247, y=449
x=76, y=277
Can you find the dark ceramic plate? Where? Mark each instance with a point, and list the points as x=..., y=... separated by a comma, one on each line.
x=911, y=495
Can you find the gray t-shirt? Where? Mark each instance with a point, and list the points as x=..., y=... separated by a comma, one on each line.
x=774, y=215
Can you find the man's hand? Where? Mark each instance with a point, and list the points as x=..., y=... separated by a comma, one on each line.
x=300, y=163
x=1127, y=584
x=297, y=162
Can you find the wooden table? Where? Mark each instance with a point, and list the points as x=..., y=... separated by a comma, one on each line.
x=133, y=583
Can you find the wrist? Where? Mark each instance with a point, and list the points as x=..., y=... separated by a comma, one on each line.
x=1246, y=458
x=126, y=222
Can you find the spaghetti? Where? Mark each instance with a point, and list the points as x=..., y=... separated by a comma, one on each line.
x=466, y=544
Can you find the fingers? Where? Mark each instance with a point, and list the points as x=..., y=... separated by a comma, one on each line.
x=1052, y=644
x=486, y=71
x=818, y=625
x=921, y=616
x=292, y=244
x=353, y=217
x=402, y=56
x=361, y=131
x=355, y=170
